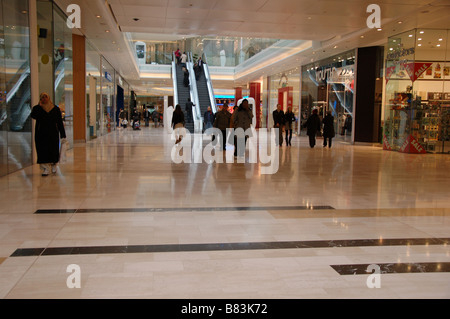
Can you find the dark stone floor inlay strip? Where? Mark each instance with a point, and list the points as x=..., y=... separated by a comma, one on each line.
x=393, y=268
x=175, y=209
x=54, y=251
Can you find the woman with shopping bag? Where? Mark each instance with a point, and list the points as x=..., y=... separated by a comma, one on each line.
x=49, y=129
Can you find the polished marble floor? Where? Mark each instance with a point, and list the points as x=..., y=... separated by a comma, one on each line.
x=139, y=225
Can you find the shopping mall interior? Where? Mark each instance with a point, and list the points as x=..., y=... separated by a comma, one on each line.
x=129, y=212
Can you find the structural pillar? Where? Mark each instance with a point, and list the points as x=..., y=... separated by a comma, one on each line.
x=237, y=95
x=255, y=93
x=79, y=88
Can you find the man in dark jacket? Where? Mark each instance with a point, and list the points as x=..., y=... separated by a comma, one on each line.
x=278, y=122
x=328, y=129
x=313, y=126
x=222, y=122
x=189, y=106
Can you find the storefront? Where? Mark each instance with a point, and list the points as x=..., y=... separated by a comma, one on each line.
x=417, y=93
x=283, y=89
x=15, y=87
x=328, y=85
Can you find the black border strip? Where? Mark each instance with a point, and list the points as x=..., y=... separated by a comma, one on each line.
x=55, y=251
x=176, y=209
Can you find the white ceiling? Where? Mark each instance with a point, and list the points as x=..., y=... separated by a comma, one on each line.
x=336, y=26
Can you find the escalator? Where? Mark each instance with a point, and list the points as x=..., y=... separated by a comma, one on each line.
x=199, y=91
x=18, y=99
x=203, y=91
x=183, y=94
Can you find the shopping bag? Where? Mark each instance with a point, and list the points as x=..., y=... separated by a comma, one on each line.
x=63, y=151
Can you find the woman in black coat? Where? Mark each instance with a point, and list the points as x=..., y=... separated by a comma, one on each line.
x=49, y=128
x=328, y=129
x=313, y=126
x=178, y=123
x=289, y=118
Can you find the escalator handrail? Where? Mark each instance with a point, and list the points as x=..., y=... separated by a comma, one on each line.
x=212, y=98
x=18, y=84
x=198, y=122
x=174, y=79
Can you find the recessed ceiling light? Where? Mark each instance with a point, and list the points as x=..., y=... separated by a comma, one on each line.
x=422, y=32
x=440, y=39
x=410, y=35
x=419, y=39
x=419, y=45
x=400, y=22
x=98, y=16
x=379, y=29
x=107, y=31
x=438, y=45
x=362, y=37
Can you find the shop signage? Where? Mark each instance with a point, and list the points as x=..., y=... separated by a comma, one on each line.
x=412, y=146
x=324, y=74
x=386, y=145
x=400, y=53
x=415, y=70
x=108, y=76
x=389, y=72
x=334, y=73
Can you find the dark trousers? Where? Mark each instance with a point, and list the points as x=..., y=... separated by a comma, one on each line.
x=312, y=140
x=189, y=116
x=240, y=151
x=280, y=137
x=327, y=139
x=224, y=139
x=288, y=137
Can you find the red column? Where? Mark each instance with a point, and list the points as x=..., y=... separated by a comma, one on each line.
x=255, y=93
x=237, y=95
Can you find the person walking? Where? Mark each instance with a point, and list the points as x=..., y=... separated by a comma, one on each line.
x=178, y=56
x=328, y=129
x=188, y=109
x=243, y=119
x=183, y=59
x=289, y=119
x=178, y=123
x=278, y=122
x=313, y=126
x=49, y=129
x=208, y=118
x=185, y=77
x=348, y=125
x=222, y=122
x=232, y=135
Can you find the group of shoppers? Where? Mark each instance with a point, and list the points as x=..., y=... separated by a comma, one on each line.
x=222, y=120
x=283, y=122
x=313, y=126
x=50, y=128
